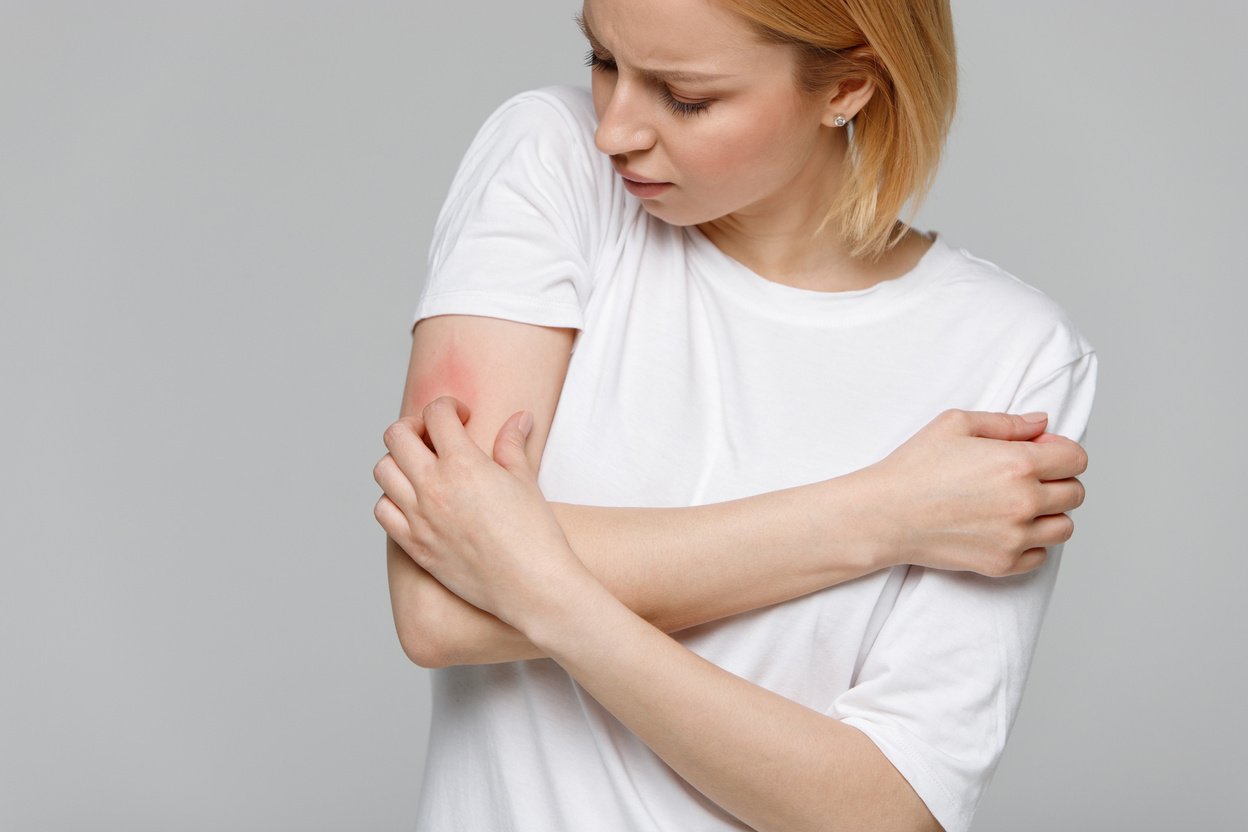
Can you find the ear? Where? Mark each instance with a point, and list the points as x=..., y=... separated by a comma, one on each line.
x=851, y=95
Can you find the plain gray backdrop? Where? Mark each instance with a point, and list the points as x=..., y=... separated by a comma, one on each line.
x=213, y=224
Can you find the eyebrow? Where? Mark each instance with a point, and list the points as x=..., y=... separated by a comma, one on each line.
x=656, y=74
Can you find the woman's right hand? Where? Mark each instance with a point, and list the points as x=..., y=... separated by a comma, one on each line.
x=979, y=492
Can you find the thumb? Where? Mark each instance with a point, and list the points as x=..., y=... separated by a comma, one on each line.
x=510, y=442
x=1007, y=426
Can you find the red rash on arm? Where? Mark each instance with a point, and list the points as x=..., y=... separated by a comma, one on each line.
x=447, y=373
x=495, y=367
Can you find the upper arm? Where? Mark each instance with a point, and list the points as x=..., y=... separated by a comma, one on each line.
x=510, y=267
x=508, y=279
x=494, y=366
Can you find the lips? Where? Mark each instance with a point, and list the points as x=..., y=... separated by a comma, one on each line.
x=647, y=191
x=634, y=177
x=643, y=187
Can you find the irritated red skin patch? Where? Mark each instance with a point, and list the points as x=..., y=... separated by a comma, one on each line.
x=448, y=374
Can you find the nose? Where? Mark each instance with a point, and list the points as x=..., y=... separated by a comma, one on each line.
x=625, y=125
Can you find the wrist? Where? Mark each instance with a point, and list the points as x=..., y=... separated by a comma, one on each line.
x=559, y=620
x=547, y=600
x=861, y=516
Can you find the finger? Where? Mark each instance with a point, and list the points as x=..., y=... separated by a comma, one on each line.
x=392, y=519
x=510, y=443
x=444, y=422
x=462, y=411
x=1060, y=496
x=1006, y=426
x=1052, y=530
x=395, y=483
x=1057, y=458
x=1029, y=560
x=406, y=447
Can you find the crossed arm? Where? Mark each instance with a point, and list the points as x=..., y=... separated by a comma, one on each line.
x=679, y=567
x=789, y=767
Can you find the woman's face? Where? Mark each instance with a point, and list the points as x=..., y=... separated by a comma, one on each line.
x=686, y=94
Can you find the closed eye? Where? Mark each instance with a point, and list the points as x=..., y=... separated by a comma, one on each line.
x=594, y=61
x=684, y=108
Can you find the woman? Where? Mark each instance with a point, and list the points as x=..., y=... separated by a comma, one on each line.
x=704, y=269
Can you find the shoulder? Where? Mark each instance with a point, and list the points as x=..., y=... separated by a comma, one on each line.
x=544, y=139
x=1011, y=314
x=559, y=116
x=573, y=105
x=1024, y=343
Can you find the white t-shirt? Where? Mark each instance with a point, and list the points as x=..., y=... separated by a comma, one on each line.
x=694, y=380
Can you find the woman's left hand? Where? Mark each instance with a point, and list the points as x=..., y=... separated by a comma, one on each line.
x=479, y=525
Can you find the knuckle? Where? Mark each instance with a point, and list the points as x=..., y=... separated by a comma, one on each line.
x=1023, y=505
x=1081, y=493
x=1015, y=542
x=1000, y=566
x=1081, y=459
x=1029, y=507
x=392, y=433
x=1021, y=465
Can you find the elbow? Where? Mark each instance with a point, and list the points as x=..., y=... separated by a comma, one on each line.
x=420, y=621
x=424, y=652
x=422, y=641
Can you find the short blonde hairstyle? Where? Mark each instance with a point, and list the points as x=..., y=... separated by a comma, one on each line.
x=906, y=47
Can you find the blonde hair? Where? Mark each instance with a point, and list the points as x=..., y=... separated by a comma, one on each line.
x=906, y=47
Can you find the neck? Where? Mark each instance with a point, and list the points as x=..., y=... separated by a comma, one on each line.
x=776, y=238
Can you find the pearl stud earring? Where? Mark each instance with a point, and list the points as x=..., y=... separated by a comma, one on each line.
x=840, y=121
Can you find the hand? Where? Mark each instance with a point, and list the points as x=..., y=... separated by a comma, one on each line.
x=979, y=492
x=479, y=525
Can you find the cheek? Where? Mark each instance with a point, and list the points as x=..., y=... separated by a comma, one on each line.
x=746, y=155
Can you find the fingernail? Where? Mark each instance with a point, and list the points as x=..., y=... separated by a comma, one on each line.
x=526, y=423
x=1035, y=417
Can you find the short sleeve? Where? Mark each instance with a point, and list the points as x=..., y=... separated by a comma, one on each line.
x=939, y=689
x=515, y=237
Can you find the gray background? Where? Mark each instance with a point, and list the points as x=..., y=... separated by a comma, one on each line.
x=213, y=223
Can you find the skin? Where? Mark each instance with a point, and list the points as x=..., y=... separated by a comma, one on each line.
x=756, y=169
x=753, y=173
x=974, y=491
x=787, y=767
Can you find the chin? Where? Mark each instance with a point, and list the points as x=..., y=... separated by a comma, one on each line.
x=681, y=219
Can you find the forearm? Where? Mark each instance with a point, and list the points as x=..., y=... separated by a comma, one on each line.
x=679, y=567
x=964, y=493
x=482, y=527
x=674, y=567
x=437, y=628
x=784, y=767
